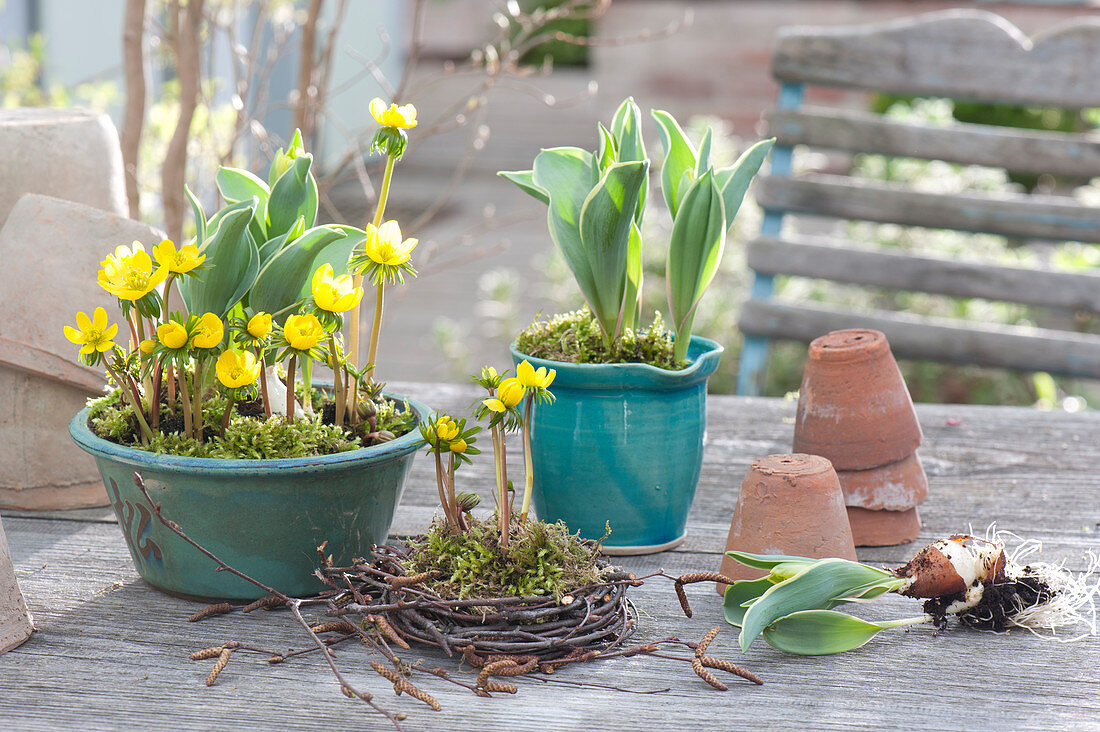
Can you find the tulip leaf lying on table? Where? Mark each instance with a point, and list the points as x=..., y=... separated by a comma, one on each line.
x=966, y=576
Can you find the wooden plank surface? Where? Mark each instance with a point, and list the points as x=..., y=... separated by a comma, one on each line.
x=1055, y=218
x=1032, y=151
x=934, y=339
x=961, y=54
x=111, y=652
x=818, y=257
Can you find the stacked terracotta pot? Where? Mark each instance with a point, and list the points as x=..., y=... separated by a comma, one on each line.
x=855, y=410
x=789, y=504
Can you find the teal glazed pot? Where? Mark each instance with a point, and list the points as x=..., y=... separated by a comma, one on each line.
x=622, y=444
x=265, y=518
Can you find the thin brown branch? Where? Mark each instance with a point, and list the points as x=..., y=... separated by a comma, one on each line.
x=304, y=107
x=133, y=116
x=187, y=47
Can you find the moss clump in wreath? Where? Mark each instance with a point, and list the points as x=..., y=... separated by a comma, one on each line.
x=576, y=337
x=247, y=436
x=540, y=559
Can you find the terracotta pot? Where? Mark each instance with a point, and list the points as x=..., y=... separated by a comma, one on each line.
x=789, y=504
x=883, y=528
x=895, y=487
x=853, y=407
x=15, y=622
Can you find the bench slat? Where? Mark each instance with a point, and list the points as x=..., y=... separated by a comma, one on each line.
x=962, y=54
x=813, y=257
x=1015, y=216
x=1057, y=153
x=1013, y=347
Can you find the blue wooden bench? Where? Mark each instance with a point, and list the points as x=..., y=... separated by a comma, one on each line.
x=956, y=54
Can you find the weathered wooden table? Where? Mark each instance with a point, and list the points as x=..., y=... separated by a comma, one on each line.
x=111, y=652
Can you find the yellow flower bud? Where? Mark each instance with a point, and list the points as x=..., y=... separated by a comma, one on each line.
x=458, y=446
x=172, y=335
x=209, y=333
x=303, y=332
x=334, y=294
x=446, y=429
x=511, y=392
x=259, y=325
x=236, y=369
x=146, y=346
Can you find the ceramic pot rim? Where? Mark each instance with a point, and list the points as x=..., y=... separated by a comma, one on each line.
x=703, y=352
x=98, y=447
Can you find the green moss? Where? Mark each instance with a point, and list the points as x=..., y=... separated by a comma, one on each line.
x=576, y=338
x=249, y=438
x=540, y=559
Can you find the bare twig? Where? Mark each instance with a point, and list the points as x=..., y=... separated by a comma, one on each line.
x=133, y=116
x=187, y=45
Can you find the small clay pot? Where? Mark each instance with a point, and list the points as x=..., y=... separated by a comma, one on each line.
x=883, y=528
x=853, y=407
x=895, y=487
x=789, y=504
x=16, y=625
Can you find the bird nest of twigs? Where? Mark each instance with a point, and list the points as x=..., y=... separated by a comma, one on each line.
x=379, y=604
x=540, y=629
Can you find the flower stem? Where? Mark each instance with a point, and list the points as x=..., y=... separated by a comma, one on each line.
x=384, y=191
x=227, y=414
x=167, y=293
x=505, y=502
x=440, y=479
x=337, y=381
x=133, y=329
x=185, y=402
x=357, y=281
x=129, y=390
x=372, y=351
x=263, y=382
x=528, y=471
x=290, y=388
x=154, y=399
x=196, y=400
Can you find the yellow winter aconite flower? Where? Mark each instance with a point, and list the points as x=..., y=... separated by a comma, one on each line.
x=446, y=429
x=334, y=294
x=393, y=115
x=509, y=394
x=209, y=333
x=303, y=332
x=92, y=334
x=128, y=274
x=384, y=245
x=236, y=369
x=259, y=325
x=532, y=379
x=459, y=446
x=178, y=262
x=172, y=335
x=147, y=346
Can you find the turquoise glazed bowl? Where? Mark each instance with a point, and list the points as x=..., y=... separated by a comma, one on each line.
x=622, y=444
x=265, y=518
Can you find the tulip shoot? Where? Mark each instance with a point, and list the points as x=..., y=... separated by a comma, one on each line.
x=965, y=576
x=595, y=206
